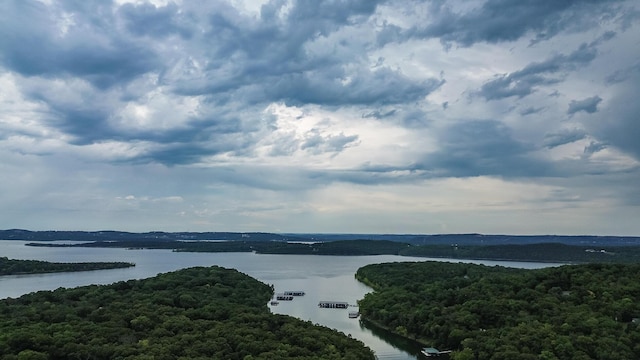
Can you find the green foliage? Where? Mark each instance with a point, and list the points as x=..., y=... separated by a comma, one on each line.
x=568, y=312
x=211, y=313
x=342, y=247
x=551, y=252
x=14, y=267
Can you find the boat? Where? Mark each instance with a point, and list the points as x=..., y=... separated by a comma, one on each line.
x=433, y=352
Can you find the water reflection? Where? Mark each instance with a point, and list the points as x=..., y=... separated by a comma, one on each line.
x=398, y=342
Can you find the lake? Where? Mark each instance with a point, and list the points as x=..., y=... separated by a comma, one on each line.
x=322, y=278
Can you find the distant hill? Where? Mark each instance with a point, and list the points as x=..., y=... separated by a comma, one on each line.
x=482, y=239
x=413, y=239
x=109, y=235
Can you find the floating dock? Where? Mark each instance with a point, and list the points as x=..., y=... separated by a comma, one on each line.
x=294, y=293
x=284, y=297
x=333, y=304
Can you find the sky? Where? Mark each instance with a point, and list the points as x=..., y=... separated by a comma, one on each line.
x=336, y=116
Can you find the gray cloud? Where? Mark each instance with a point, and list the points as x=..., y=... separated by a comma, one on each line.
x=497, y=21
x=235, y=63
x=379, y=114
x=380, y=87
x=468, y=149
x=525, y=81
x=616, y=124
x=563, y=137
x=316, y=143
x=157, y=22
x=483, y=147
x=531, y=110
x=593, y=148
x=35, y=44
x=621, y=75
x=588, y=105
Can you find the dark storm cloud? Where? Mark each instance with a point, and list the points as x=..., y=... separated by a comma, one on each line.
x=233, y=61
x=525, y=81
x=33, y=43
x=271, y=60
x=588, y=105
x=507, y=20
x=267, y=59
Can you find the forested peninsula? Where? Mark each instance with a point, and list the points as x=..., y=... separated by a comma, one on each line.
x=571, y=312
x=204, y=312
x=541, y=248
x=540, y=252
x=19, y=267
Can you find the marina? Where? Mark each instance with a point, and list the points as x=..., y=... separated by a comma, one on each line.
x=333, y=304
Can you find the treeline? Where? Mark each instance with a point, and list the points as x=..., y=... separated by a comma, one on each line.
x=413, y=239
x=570, y=312
x=108, y=235
x=543, y=252
x=16, y=267
x=196, y=313
x=345, y=247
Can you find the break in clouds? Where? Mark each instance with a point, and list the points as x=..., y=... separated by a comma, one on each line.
x=281, y=100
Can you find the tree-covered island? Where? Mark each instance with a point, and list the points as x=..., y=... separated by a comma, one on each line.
x=196, y=313
x=20, y=267
x=571, y=312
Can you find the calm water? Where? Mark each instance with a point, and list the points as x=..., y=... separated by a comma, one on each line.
x=329, y=278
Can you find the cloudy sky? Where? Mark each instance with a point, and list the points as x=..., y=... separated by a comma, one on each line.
x=357, y=116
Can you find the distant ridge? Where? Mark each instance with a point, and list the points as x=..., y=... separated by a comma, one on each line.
x=111, y=235
x=482, y=239
x=414, y=239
